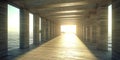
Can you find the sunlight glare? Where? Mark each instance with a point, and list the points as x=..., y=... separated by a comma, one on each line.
x=110, y=27
x=31, y=28
x=13, y=18
x=68, y=28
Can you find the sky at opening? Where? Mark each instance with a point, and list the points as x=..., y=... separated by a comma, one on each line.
x=13, y=18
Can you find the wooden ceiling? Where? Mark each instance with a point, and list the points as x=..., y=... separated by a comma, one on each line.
x=62, y=10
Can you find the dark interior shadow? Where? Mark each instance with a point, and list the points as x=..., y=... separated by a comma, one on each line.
x=12, y=54
x=101, y=55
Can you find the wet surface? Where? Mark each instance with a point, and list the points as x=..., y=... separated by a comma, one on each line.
x=64, y=47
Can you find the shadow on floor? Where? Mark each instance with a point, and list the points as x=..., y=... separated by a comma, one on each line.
x=102, y=55
x=17, y=52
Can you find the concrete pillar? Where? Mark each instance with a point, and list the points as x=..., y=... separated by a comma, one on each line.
x=51, y=29
x=91, y=33
x=42, y=30
x=94, y=34
x=48, y=30
x=3, y=28
x=88, y=33
x=36, y=32
x=116, y=30
x=102, y=36
x=102, y=41
x=54, y=30
x=24, y=28
x=84, y=33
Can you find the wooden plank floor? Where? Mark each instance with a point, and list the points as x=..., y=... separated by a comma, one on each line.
x=64, y=47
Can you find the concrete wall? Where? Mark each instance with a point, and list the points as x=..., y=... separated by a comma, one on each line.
x=3, y=28
x=24, y=28
x=116, y=30
x=96, y=31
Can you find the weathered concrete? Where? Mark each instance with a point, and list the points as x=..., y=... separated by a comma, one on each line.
x=24, y=28
x=64, y=47
x=102, y=36
x=116, y=30
x=43, y=30
x=102, y=41
x=36, y=30
x=48, y=29
x=3, y=28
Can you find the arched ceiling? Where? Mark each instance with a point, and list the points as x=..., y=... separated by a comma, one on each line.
x=63, y=11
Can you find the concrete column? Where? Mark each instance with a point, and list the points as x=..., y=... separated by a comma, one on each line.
x=3, y=28
x=48, y=30
x=116, y=30
x=103, y=36
x=91, y=33
x=24, y=28
x=88, y=33
x=36, y=32
x=51, y=29
x=84, y=33
x=42, y=30
x=102, y=42
x=94, y=34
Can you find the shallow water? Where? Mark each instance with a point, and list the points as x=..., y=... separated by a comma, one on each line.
x=13, y=40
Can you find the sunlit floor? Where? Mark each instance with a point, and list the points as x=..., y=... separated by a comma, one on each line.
x=64, y=47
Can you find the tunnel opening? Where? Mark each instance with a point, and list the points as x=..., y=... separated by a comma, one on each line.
x=30, y=28
x=13, y=27
x=68, y=29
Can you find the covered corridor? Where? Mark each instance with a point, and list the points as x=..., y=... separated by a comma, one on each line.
x=97, y=30
x=67, y=46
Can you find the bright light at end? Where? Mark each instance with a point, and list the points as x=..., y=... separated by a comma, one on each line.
x=68, y=28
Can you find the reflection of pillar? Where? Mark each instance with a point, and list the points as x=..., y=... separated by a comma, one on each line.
x=36, y=30
x=24, y=28
x=3, y=28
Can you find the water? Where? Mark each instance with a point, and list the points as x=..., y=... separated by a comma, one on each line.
x=13, y=40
